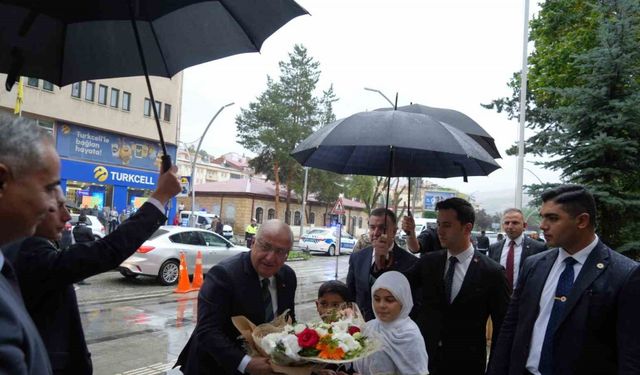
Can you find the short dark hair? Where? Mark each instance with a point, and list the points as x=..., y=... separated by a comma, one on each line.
x=464, y=210
x=380, y=211
x=82, y=218
x=335, y=287
x=575, y=200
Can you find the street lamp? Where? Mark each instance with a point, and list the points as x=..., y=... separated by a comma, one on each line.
x=193, y=164
x=523, y=106
x=383, y=95
x=534, y=175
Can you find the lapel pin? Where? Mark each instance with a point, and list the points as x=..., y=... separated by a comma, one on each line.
x=600, y=266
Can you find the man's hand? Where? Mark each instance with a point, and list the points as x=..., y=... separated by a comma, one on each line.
x=381, y=249
x=409, y=227
x=168, y=185
x=259, y=366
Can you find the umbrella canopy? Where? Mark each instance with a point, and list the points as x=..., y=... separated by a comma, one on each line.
x=394, y=144
x=458, y=120
x=74, y=40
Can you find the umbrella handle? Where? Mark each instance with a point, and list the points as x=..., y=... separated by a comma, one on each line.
x=166, y=162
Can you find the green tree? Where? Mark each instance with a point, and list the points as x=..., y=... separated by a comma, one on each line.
x=483, y=220
x=584, y=103
x=283, y=115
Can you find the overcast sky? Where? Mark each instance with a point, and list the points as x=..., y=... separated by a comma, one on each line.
x=441, y=53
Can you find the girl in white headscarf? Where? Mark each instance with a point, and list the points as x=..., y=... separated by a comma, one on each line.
x=403, y=350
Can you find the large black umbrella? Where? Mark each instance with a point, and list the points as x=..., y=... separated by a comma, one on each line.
x=70, y=41
x=458, y=120
x=394, y=144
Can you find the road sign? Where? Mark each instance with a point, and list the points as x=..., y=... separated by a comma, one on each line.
x=185, y=182
x=338, y=208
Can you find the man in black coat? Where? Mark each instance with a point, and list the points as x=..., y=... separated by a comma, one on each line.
x=257, y=284
x=364, y=267
x=427, y=240
x=29, y=176
x=82, y=234
x=510, y=255
x=483, y=243
x=461, y=289
x=46, y=275
x=575, y=309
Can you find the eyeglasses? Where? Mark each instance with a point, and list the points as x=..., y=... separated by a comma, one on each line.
x=266, y=247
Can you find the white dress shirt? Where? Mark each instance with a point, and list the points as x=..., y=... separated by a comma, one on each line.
x=547, y=298
x=464, y=260
x=274, y=302
x=517, y=255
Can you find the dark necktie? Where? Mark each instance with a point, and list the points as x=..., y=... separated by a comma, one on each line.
x=266, y=298
x=509, y=265
x=565, y=283
x=10, y=275
x=448, y=279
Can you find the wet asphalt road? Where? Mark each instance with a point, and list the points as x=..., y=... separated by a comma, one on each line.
x=137, y=327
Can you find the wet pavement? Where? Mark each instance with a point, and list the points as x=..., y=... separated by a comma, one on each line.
x=137, y=327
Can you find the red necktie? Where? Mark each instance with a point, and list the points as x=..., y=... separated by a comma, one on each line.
x=509, y=265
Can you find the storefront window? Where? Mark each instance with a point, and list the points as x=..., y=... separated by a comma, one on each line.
x=136, y=198
x=89, y=196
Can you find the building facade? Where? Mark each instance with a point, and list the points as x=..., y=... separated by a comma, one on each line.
x=236, y=201
x=105, y=134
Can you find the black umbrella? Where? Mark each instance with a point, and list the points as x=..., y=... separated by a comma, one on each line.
x=74, y=40
x=458, y=120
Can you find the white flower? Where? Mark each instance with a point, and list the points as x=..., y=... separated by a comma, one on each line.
x=270, y=341
x=299, y=328
x=322, y=331
x=340, y=326
x=291, y=347
x=346, y=342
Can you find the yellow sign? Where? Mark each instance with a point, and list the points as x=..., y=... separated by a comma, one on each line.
x=100, y=173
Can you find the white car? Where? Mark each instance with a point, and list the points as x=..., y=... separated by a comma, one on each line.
x=159, y=256
x=325, y=240
x=92, y=222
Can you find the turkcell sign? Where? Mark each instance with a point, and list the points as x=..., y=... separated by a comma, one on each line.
x=107, y=174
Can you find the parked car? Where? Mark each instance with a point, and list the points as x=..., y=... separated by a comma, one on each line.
x=92, y=221
x=325, y=240
x=159, y=256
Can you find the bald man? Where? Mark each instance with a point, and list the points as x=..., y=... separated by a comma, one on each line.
x=256, y=284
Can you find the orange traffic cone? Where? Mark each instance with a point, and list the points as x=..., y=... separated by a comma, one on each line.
x=197, y=276
x=184, y=286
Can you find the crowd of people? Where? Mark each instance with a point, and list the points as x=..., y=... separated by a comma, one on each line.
x=565, y=308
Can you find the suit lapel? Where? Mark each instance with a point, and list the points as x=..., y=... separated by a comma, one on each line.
x=252, y=290
x=282, y=290
x=596, y=263
x=526, y=250
x=538, y=278
x=499, y=251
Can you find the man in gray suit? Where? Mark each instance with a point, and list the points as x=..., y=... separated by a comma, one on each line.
x=513, y=250
x=29, y=177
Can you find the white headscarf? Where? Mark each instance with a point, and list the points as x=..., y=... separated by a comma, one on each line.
x=402, y=341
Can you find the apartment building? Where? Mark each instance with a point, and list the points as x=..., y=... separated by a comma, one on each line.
x=105, y=134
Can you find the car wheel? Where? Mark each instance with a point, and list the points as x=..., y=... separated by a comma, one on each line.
x=168, y=273
x=332, y=250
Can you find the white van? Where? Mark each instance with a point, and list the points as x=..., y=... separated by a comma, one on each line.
x=203, y=220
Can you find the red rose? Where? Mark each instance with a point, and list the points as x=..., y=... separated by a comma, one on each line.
x=308, y=338
x=353, y=330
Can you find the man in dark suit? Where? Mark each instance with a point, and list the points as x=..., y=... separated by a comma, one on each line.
x=29, y=175
x=46, y=275
x=365, y=265
x=257, y=285
x=461, y=289
x=427, y=240
x=575, y=308
x=513, y=250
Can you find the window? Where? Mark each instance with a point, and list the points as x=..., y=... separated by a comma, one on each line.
x=287, y=217
x=297, y=218
x=46, y=125
x=33, y=82
x=126, y=101
x=213, y=240
x=46, y=85
x=147, y=107
x=89, y=92
x=360, y=222
x=259, y=213
x=167, y=112
x=158, y=107
x=312, y=218
x=187, y=238
x=271, y=214
x=76, y=90
x=115, y=98
x=102, y=94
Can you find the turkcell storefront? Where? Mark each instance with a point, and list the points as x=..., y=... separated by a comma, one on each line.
x=102, y=169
